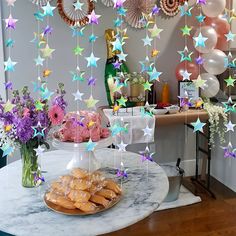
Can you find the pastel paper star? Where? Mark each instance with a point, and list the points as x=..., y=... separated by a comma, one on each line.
x=46, y=94
x=9, y=43
x=155, y=53
x=38, y=130
x=39, y=151
x=78, y=95
x=200, y=40
x=78, y=50
x=230, y=81
x=186, y=75
x=118, y=3
x=78, y=5
x=117, y=45
x=8, y=85
x=229, y=106
x=39, y=16
x=122, y=147
x=121, y=11
x=7, y=150
x=47, y=51
x=122, y=56
x=154, y=75
x=47, y=30
x=185, y=10
x=122, y=101
x=90, y=145
x=39, y=61
x=48, y=9
x=9, y=65
x=155, y=10
x=77, y=77
x=117, y=129
x=229, y=61
x=47, y=73
x=10, y=22
x=147, y=131
x=93, y=18
x=117, y=64
x=230, y=126
x=186, y=30
x=92, y=81
x=200, y=18
x=147, y=86
x=155, y=31
x=147, y=41
x=199, y=60
x=77, y=32
x=39, y=105
x=185, y=55
x=198, y=125
x=11, y=2
x=92, y=60
x=118, y=22
x=230, y=36
x=201, y=2
x=229, y=151
x=146, y=155
x=199, y=82
x=92, y=38
x=91, y=102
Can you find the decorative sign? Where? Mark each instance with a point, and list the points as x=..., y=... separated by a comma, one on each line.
x=188, y=88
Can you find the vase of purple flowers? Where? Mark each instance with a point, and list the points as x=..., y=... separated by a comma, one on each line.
x=26, y=123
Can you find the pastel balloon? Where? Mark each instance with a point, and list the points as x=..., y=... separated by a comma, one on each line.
x=213, y=8
x=214, y=62
x=211, y=35
x=222, y=43
x=188, y=66
x=211, y=87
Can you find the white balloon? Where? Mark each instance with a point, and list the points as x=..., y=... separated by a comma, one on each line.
x=211, y=35
x=211, y=87
x=214, y=62
x=213, y=8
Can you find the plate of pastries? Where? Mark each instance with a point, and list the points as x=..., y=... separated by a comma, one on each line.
x=82, y=193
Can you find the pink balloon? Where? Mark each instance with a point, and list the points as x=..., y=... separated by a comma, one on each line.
x=190, y=67
x=221, y=27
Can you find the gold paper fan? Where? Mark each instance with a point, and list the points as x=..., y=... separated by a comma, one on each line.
x=108, y=3
x=72, y=16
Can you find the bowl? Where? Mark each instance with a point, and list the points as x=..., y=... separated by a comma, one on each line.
x=160, y=111
x=173, y=109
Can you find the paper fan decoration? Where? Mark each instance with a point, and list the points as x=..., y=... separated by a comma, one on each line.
x=171, y=7
x=108, y=3
x=72, y=16
x=135, y=10
x=40, y=2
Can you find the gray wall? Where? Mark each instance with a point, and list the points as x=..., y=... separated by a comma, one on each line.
x=63, y=61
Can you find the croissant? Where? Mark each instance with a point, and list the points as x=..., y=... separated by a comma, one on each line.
x=107, y=193
x=79, y=196
x=85, y=207
x=99, y=200
x=109, y=184
x=79, y=173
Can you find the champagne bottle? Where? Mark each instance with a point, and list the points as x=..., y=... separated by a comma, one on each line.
x=110, y=70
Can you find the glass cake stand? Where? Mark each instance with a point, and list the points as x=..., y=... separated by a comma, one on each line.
x=80, y=157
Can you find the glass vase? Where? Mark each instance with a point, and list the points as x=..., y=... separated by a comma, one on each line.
x=30, y=167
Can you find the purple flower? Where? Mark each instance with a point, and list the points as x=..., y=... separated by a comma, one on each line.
x=24, y=129
x=59, y=101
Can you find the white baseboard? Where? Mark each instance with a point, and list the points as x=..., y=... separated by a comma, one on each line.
x=187, y=165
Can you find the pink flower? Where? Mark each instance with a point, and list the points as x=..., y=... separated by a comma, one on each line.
x=56, y=115
x=26, y=112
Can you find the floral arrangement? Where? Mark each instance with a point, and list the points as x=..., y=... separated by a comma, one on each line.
x=136, y=78
x=26, y=122
x=217, y=116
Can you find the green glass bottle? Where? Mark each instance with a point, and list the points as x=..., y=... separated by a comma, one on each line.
x=110, y=70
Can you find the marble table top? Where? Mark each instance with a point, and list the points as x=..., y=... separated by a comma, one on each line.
x=22, y=210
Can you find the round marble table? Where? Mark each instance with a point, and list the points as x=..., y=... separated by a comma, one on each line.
x=23, y=211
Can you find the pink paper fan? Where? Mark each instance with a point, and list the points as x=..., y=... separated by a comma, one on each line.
x=135, y=10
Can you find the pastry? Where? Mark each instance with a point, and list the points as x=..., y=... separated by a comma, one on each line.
x=80, y=184
x=65, y=202
x=109, y=184
x=66, y=179
x=107, y=193
x=86, y=207
x=52, y=197
x=59, y=188
x=79, y=173
x=80, y=126
x=99, y=200
x=79, y=196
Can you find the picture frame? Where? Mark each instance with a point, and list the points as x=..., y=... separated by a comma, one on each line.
x=232, y=5
x=190, y=88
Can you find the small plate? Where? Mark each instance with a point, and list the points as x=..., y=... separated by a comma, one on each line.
x=160, y=111
x=77, y=212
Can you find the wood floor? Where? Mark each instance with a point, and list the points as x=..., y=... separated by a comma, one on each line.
x=211, y=217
